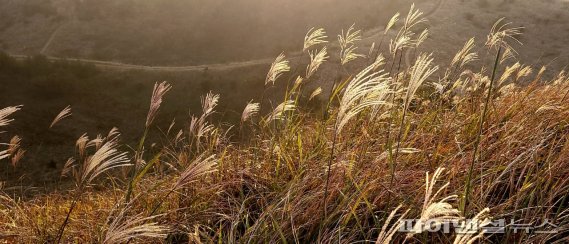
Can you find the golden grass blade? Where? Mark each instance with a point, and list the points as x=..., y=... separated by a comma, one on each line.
x=5, y=112
x=160, y=89
x=315, y=93
x=66, y=112
x=391, y=23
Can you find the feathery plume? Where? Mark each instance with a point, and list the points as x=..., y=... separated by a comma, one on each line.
x=123, y=228
x=422, y=37
x=199, y=167
x=81, y=144
x=540, y=73
x=199, y=127
x=314, y=37
x=278, y=67
x=315, y=93
x=66, y=112
x=413, y=18
x=386, y=235
x=14, y=144
x=297, y=82
x=347, y=42
x=501, y=33
x=105, y=158
x=391, y=23
x=282, y=108
x=160, y=89
x=350, y=37
x=438, y=212
x=508, y=73
x=349, y=54
x=209, y=102
x=251, y=109
x=18, y=156
x=363, y=91
x=523, y=71
x=401, y=42
x=5, y=112
x=507, y=55
x=465, y=55
x=419, y=73
x=316, y=59
x=467, y=230
x=404, y=37
x=379, y=61
x=69, y=165
x=13, y=147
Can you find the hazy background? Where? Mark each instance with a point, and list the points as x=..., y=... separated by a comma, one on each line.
x=158, y=34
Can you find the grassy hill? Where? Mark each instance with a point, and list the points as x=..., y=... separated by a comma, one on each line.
x=175, y=32
x=337, y=143
x=483, y=139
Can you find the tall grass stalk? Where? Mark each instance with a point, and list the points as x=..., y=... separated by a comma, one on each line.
x=160, y=89
x=468, y=183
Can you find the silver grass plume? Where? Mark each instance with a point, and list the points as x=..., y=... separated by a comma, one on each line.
x=160, y=89
x=200, y=166
x=507, y=55
x=347, y=42
x=13, y=147
x=391, y=23
x=422, y=37
x=468, y=232
x=278, y=67
x=5, y=112
x=400, y=42
x=501, y=33
x=105, y=158
x=278, y=112
x=314, y=37
x=404, y=37
x=465, y=55
x=124, y=228
x=349, y=54
x=251, y=109
x=386, y=235
x=209, y=102
x=414, y=17
x=66, y=112
x=507, y=73
x=436, y=212
x=363, y=91
x=371, y=49
x=419, y=73
x=315, y=93
x=17, y=156
x=316, y=59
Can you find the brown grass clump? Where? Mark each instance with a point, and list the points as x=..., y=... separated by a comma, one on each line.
x=352, y=173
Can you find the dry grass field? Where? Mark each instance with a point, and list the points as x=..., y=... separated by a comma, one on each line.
x=444, y=113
